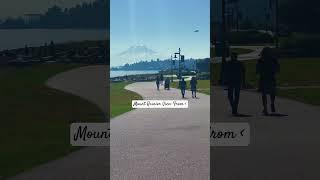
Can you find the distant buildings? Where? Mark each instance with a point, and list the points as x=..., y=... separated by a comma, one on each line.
x=30, y=19
x=203, y=65
x=61, y=53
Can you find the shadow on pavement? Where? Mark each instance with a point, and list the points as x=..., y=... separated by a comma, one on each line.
x=278, y=115
x=242, y=115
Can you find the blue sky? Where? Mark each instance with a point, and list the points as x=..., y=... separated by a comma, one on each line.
x=161, y=25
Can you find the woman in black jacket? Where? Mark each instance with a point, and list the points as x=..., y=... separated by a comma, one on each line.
x=267, y=68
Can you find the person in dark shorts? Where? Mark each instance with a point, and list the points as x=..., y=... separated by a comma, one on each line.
x=167, y=84
x=193, y=87
x=161, y=79
x=158, y=82
x=234, y=80
x=257, y=72
x=267, y=68
x=183, y=86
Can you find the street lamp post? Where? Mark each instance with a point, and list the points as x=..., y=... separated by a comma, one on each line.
x=277, y=22
x=175, y=56
x=224, y=47
x=274, y=8
x=171, y=69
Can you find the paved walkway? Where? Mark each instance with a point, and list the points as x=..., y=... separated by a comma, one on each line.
x=255, y=54
x=88, y=82
x=88, y=163
x=186, y=78
x=174, y=144
x=281, y=147
x=161, y=143
x=145, y=144
x=256, y=50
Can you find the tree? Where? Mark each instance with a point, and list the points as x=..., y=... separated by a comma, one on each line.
x=300, y=16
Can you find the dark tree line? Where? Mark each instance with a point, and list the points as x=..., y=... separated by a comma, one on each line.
x=300, y=16
x=85, y=15
x=190, y=64
x=294, y=15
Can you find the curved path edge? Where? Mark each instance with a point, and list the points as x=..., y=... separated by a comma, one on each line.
x=88, y=163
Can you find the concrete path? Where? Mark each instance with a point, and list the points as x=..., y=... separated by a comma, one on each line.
x=174, y=143
x=145, y=144
x=281, y=147
x=88, y=82
x=88, y=163
x=161, y=143
x=256, y=50
x=255, y=54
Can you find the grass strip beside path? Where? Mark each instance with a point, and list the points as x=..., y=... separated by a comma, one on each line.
x=294, y=72
x=203, y=86
x=120, y=98
x=305, y=95
x=35, y=119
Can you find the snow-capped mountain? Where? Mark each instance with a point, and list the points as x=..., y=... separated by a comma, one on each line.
x=139, y=52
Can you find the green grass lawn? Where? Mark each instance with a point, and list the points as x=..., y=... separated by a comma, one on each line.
x=203, y=86
x=305, y=95
x=120, y=99
x=293, y=72
x=35, y=119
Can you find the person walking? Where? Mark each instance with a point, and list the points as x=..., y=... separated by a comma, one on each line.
x=161, y=79
x=183, y=86
x=234, y=80
x=158, y=82
x=167, y=84
x=267, y=68
x=257, y=72
x=193, y=85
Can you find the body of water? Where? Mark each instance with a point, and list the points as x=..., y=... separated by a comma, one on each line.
x=18, y=38
x=123, y=73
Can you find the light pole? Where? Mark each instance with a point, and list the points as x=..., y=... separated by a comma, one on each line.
x=175, y=56
x=275, y=4
x=224, y=46
x=277, y=23
x=172, y=63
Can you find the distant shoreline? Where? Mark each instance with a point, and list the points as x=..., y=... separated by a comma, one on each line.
x=120, y=73
x=67, y=43
x=134, y=78
x=38, y=28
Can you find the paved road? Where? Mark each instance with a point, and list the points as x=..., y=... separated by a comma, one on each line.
x=281, y=148
x=161, y=143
